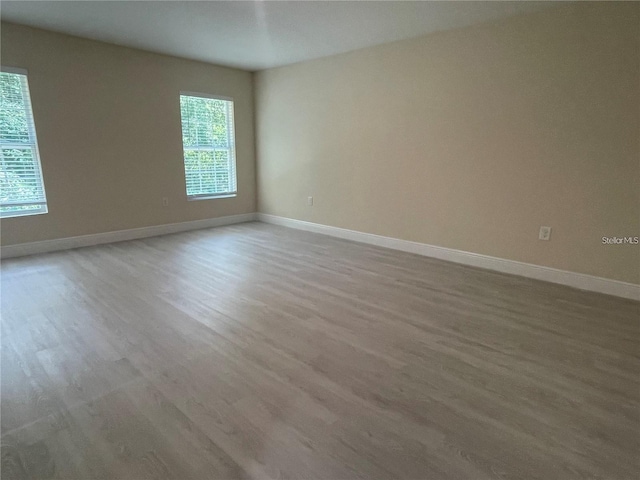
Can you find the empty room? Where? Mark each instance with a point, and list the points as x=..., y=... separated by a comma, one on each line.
x=325, y=240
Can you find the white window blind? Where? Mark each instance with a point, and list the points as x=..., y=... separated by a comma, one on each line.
x=21, y=185
x=209, y=146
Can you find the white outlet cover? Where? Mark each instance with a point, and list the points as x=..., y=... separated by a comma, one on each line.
x=545, y=233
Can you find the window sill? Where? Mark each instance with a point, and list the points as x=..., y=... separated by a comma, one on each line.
x=210, y=197
x=22, y=213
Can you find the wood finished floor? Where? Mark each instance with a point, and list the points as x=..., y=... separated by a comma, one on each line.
x=255, y=351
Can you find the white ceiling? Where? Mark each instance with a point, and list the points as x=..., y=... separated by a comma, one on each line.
x=255, y=35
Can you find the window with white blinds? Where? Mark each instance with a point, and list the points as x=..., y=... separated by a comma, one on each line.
x=209, y=146
x=21, y=185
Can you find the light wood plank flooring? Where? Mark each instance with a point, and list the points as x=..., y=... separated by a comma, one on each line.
x=255, y=351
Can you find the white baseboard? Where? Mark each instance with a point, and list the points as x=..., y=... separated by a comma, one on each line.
x=45, y=246
x=563, y=277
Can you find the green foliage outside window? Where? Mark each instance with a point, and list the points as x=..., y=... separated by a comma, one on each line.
x=207, y=138
x=20, y=178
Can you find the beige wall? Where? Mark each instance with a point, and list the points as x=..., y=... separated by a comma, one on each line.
x=470, y=139
x=108, y=126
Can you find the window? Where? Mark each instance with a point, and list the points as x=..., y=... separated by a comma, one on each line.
x=21, y=185
x=209, y=146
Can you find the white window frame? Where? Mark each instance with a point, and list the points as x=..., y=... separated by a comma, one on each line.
x=42, y=206
x=231, y=149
